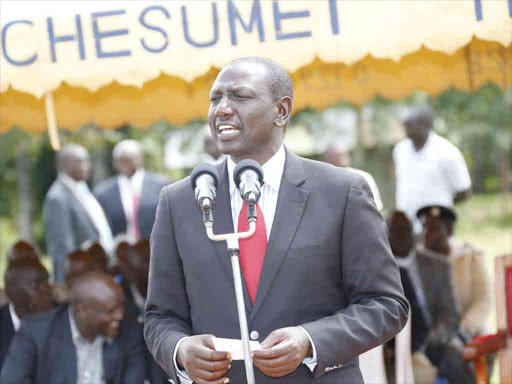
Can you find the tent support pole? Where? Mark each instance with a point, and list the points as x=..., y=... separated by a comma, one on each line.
x=52, y=121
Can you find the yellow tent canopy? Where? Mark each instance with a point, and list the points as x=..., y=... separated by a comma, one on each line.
x=110, y=65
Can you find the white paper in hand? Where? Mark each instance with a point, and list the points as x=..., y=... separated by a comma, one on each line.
x=234, y=346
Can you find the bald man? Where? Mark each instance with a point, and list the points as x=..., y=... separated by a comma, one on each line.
x=91, y=340
x=72, y=214
x=429, y=169
x=28, y=292
x=130, y=198
x=320, y=283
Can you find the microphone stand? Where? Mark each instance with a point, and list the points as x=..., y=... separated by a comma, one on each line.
x=233, y=249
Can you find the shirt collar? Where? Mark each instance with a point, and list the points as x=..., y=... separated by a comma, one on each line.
x=16, y=322
x=77, y=187
x=68, y=181
x=272, y=170
x=135, y=178
x=140, y=301
x=75, y=333
x=430, y=137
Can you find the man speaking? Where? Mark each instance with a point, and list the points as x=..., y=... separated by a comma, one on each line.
x=321, y=285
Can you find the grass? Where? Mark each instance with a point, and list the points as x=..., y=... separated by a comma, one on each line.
x=484, y=221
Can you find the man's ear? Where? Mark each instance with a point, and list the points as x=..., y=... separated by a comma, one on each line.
x=284, y=111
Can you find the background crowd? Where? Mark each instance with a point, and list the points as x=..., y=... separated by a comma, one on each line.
x=97, y=241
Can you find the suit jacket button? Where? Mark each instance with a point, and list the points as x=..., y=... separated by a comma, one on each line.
x=254, y=335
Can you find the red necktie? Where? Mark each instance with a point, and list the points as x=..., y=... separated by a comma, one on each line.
x=136, y=202
x=252, y=250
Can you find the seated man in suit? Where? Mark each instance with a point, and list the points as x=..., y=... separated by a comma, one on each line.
x=435, y=310
x=130, y=198
x=72, y=214
x=28, y=292
x=133, y=261
x=321, y=284
x=447, y=337
x=468, y=267
x=88, y=341
x=22, y=250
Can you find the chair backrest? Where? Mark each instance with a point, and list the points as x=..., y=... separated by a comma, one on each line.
x=503, y=279
x=508, y=297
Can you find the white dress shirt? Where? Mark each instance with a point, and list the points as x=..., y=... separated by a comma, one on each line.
x=93, y=209
x=16, y=322
x=128, y=188
x=89, y=355
x=273, y=172
x=431, y=176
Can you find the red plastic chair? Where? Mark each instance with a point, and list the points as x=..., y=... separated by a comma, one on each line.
x=500, y=342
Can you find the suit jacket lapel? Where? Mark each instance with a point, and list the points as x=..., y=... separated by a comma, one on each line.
x=61, y=357
x=223, y=223
x=79, y=206
x=7, y=328
x=110, y=355
x=290, y=207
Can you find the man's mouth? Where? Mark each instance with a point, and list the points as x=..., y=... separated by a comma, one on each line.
x=226, y=129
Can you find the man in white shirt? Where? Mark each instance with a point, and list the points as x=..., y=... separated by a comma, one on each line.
x=72, y=214
x=429, y=169
x=321, y=284
x=28, y=292
x=130, y=198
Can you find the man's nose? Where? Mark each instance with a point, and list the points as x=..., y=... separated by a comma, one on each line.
x=223, y=108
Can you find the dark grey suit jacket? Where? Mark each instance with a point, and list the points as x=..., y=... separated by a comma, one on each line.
x=68, y=225
x=108, y=195
x=42, y=352
x=328, y=267
x=6, y=331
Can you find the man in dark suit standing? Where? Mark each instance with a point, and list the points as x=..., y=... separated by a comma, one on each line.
x=72, y=214
x=28, y=292
x=87, y=341
x=320, y=283
x=130, y=199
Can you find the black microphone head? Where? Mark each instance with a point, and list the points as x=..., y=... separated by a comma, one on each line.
x=201, y=169
x=245, y=165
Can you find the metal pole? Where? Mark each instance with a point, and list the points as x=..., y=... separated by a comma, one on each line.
x=233, y=248
x=244, y=331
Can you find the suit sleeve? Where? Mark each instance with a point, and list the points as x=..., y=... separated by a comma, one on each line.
x=167, y=311
x=20, y=363
x=60, y=238
x=377, y=308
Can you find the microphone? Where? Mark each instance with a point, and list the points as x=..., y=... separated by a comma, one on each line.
x=204, y=180
x=248, y=176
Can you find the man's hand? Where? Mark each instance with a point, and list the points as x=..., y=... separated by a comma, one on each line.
x=203, y=363
x=283, y=351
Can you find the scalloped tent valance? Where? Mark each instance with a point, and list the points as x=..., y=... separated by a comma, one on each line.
x=112, y=63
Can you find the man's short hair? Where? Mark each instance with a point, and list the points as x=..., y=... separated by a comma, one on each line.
x=22, y=249
x=420, y=114
x=278, y=78
x=128, y=145
x=15, y=267
x=66, y=153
